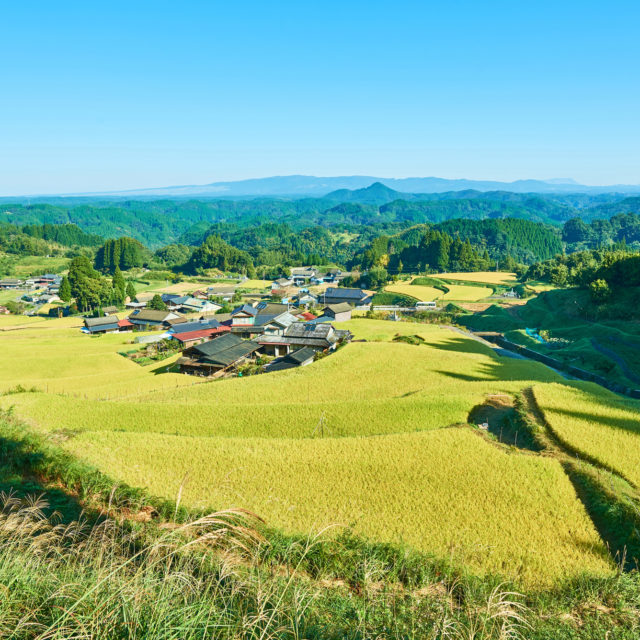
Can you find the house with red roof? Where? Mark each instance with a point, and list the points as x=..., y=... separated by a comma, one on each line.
x=190, y=338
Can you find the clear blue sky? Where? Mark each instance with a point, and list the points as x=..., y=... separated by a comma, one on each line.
x=114, y=95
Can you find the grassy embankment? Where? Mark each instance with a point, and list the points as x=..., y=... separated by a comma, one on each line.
x=577, y=332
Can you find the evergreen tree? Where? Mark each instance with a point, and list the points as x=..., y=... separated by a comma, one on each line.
x=157, y=304
x=118, y=286
x=65, y=290
x=130, y=290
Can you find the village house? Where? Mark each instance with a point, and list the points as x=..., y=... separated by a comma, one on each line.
x=243, y=316
x=140, y=301
x=338, y=312
x=174, y=322
x=225, y=293
x=273, y=345
x=197, y=305
x=299, y=358
x=281, y=283
x=109, y=311
x=197, y=336
x=173, y=300
x=151, y=319
x=216, y=356
x=511, y=294
x=124, y=325
x=302, y=275
x=319, y=337
x=275, y=325
x=101, y=325
x=11, y=283
x=355, y=297
x=182, y=324
x=307, y=300
x=195, y=332
x=4, y=311
x=265, y=307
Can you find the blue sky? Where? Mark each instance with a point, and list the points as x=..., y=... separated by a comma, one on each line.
x=117, y=95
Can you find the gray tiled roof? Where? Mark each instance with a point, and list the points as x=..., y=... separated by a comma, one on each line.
x=346, y=293
x=245, y=308
x=94, y=322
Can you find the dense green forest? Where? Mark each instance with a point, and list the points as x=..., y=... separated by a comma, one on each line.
x=429, y=250
x=620, y=228
x=43, y=239
x=602, y=271
x=124, y=253
x=156, y=223
x=215, y=253
x=373, y=227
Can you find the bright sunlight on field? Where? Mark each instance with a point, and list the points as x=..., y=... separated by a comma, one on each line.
x=595, y=422
x=303, y=449
x=463, y=293
x=419, y=292
x=445, y=491
x=457, y=292
x=489, y=277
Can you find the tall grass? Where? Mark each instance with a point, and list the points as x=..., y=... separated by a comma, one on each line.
x=203, y=579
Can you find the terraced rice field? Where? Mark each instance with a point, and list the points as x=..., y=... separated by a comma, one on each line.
x=446, y=491
x=255, y=284
x=35, y=265
x=419, y=292
x=10, y=322
x=177, y=287
x=372, y=437
x=462, y=293
x=54, y=356
x=489, y=277
x=595, y=422
x=457, y=292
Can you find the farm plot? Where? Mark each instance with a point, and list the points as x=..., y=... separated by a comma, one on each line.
x=407, y=388
x=464, y=293
x=419, y=292
x=365, y=437
x=447, y=492
x=11, y=322
x=33, y=265
x=596, y=422
x=488, y=277
x=254, y=284
x=52, y=355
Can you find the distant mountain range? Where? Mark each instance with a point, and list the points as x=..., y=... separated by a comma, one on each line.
x=311, y=186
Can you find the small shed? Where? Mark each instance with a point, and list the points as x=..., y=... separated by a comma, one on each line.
x=299, y=358
x=340, y=312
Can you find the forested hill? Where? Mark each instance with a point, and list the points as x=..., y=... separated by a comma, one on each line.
x=41, y=240
x=161, y=222
x=523, y=240
x=606, y=210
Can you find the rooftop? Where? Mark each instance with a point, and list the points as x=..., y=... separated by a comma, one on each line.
x=346, y=293
x=187, y=336
x=245, y=309
x=150, y=315
x=340, y=307
x=94, y=322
